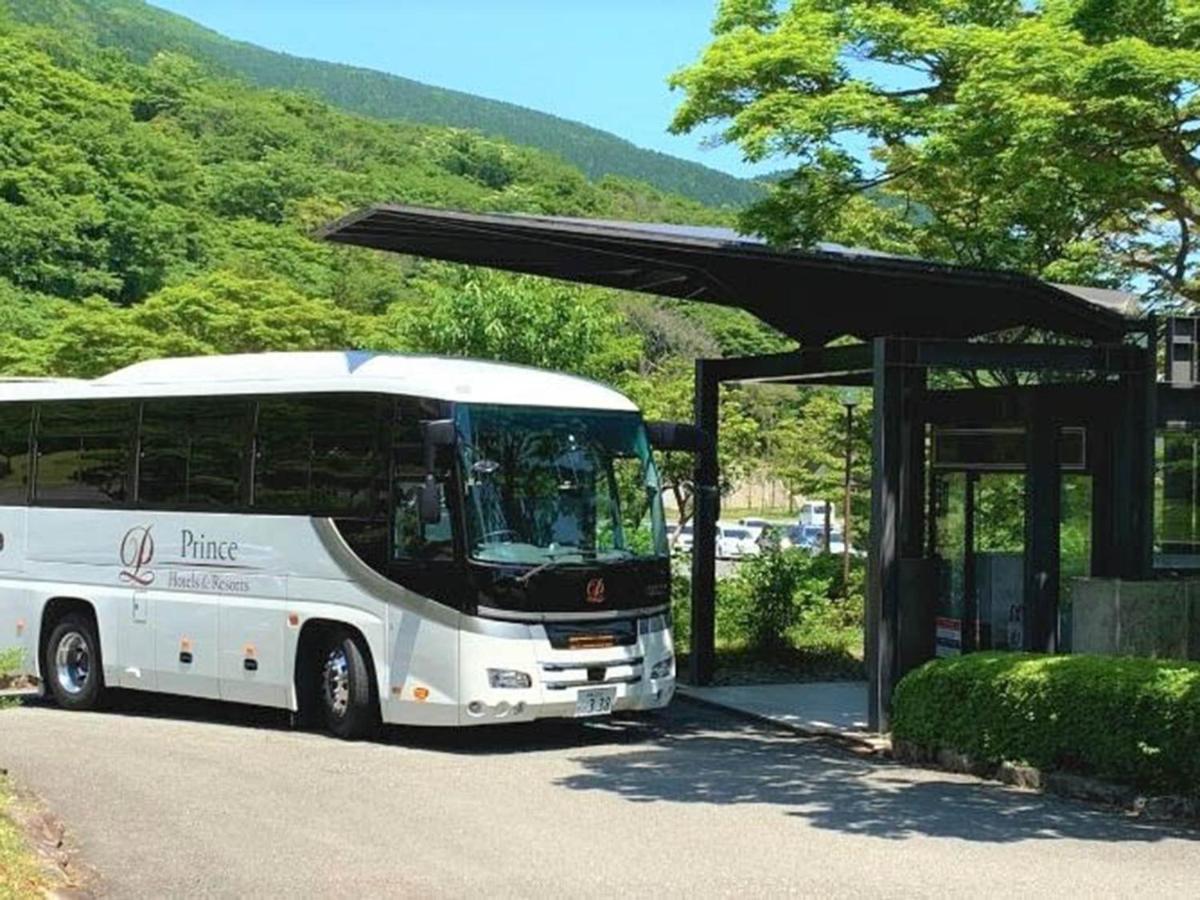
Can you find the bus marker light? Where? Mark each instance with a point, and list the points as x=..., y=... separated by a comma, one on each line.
x=249, y=652
x=421, y=693
x=20, y=626
x=185, y=645
x=293, y=619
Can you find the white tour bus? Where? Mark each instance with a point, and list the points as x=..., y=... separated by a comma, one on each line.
x=351, y=536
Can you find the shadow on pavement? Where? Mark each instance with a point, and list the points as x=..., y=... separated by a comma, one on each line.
x=836, y=790
x=550, y=734
x=691, y=754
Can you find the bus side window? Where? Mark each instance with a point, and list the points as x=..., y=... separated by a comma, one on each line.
x=192, y=450
x=321, y=454
x=84, y=452
x=413, y=539
x=15, y=420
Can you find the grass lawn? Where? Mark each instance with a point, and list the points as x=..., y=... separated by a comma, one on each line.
x=20, y=875
x=733, y=513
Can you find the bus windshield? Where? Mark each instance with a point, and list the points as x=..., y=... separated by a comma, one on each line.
x=552, y=485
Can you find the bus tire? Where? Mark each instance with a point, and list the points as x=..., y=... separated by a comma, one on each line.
x=74, y=671
x=346, y=694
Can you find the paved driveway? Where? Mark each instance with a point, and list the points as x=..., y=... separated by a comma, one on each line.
x=215, y=801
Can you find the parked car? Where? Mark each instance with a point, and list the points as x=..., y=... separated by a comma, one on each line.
x=837, y=543
x=812, y=514
x=736, y=542
x=755, y=525
x=812, y=537
x=791, y=537
x=683, y=542
x=770, y=536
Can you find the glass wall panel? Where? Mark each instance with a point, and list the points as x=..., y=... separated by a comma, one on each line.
x=1075, y=546
x=1176, y=487
x=999, y=564
x=950, y=544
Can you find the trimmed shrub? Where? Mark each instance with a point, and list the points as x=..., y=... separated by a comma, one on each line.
x=1130, y=720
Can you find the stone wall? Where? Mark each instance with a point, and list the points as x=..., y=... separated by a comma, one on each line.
x=1136, y=618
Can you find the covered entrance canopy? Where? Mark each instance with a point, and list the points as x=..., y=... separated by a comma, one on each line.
x=913, y=317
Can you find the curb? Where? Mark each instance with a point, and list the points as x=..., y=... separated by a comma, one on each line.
x=858, y=742
x=19, y=693
x=1169, y=807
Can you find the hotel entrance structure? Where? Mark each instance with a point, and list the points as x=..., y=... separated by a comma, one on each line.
x=990, y=390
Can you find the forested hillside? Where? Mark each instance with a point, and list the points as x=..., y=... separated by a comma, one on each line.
x=150, y=210
x=142, y=31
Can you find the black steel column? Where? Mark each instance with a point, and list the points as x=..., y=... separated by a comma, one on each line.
x=1043, y=511
x=883, y=576
x=1133, y=469
x=704, y=524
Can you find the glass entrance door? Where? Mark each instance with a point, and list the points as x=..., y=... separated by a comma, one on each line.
x=977, y=535
x=1074, y=546
x=978, y=543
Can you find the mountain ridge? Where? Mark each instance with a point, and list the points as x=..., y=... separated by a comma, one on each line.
x=142, y=30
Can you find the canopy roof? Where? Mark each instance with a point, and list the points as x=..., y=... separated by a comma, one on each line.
x=812, y=295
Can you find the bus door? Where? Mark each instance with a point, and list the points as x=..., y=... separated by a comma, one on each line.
x=186, y=646
x=253, y=663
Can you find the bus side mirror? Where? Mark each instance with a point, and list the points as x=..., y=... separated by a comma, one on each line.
x=429, y=501
x=677, y=436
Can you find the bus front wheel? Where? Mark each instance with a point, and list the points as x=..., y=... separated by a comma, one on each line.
x=345, y=691
x=73, y=670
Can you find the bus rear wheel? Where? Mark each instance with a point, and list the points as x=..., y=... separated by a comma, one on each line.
x=345, y=691
x=73, y=669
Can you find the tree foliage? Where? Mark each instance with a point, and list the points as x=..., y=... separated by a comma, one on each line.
x=1057, y=137
x=151, y=208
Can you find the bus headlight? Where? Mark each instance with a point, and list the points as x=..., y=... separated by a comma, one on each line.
x=662, y=668
x=508, y=678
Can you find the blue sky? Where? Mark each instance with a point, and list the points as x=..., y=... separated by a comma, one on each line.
x=603, y=63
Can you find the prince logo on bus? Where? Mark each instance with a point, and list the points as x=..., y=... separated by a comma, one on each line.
x=595, y=591
x=137, y=552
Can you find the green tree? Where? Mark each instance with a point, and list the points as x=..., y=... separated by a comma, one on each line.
x=485, y=314
x=220, y=313
x=667, y=394
x=806, y=449
x=1057, y=137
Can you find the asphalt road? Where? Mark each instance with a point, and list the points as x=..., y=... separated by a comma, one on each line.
x=195, y=799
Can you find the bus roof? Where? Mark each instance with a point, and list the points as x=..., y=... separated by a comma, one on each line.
x=436, y=377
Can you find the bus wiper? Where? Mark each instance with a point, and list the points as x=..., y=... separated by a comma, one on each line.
x=542, y=567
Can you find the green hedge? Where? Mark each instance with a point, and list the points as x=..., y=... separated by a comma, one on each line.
x=1135, y=721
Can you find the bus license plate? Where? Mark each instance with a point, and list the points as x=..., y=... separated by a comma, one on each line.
x=595, y=701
